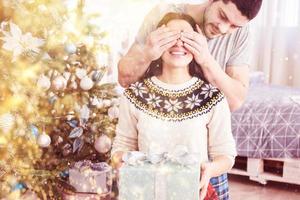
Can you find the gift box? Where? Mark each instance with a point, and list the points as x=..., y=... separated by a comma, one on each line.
x=84, y=196
x=88, y=177
x=163, y=180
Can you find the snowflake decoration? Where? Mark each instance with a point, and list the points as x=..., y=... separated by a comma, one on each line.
x=172, y=105
x=138, y=89
x=193, y=101
x=208, y=90
x=153, y=100
x=20, y=43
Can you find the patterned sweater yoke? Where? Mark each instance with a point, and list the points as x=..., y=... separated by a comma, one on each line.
x=173, y=105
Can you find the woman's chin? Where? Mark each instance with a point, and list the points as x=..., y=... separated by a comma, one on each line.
x=179, y=66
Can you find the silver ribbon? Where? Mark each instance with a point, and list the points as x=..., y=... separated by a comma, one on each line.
x=179, y=155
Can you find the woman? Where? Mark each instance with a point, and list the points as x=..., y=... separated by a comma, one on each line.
x=173, y=104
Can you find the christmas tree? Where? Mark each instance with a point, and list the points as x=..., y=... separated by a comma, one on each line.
x=54, y=108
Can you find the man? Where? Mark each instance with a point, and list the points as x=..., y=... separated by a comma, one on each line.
x=223, y=58
x=220, y=47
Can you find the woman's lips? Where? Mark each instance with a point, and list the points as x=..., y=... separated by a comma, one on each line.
x=178, y=52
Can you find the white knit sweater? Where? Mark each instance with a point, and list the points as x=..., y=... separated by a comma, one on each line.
x=156, y=116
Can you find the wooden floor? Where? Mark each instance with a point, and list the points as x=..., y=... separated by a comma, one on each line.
x=241, y=188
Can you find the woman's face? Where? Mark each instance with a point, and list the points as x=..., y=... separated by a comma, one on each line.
x=177, y=55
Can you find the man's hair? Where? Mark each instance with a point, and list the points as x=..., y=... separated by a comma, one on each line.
x=155, y=68
x=248, y=8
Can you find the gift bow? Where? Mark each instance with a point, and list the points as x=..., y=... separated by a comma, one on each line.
x=87, y=164
x=179, y=155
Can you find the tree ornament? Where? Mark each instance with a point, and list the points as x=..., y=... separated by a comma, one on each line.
x=97, y=76
x=44, y=140
x=7, y=121
x=70, y=48
x=102, y=144
x=86, y=83
x=59, y=83
x=19, y=186
x=34, y=130
x=44, y=82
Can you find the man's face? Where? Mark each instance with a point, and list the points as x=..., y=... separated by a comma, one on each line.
x=221, y=18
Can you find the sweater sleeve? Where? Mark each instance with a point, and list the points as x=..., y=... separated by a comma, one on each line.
x=126, y=131
x=220, y=138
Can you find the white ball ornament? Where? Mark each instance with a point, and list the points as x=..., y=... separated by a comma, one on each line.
x=59, y=83
x=71, y=48
x=44, y=82
x=86, y=83
x=44, y=140
x=7, y=121
x=102, y=144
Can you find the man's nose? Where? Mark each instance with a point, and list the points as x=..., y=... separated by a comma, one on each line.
x=224, y=27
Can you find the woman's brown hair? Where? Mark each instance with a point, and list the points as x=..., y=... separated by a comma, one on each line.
x=155, y=68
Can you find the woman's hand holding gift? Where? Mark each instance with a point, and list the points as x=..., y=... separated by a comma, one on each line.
x=206, y=175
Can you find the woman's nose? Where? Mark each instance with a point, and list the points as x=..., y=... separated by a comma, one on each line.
x=179, y=43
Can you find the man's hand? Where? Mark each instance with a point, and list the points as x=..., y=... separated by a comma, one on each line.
x=205, y=177
x=137, y=60
x=196, y=43
x=159, y=41
x=233, y=82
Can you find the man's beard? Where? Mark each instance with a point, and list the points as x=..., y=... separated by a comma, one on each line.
x=207, y=27
x=203, y=25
